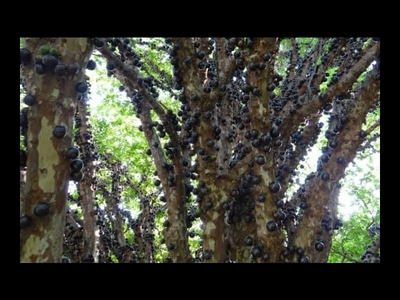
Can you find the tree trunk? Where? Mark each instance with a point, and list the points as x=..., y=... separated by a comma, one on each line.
x=48, y=170
x=86, y=186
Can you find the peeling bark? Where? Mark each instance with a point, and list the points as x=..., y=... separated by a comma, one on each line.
x=47, y=173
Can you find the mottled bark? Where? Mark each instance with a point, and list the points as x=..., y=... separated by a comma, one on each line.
x=48, y=170
x=321, y=195
x=261, y=120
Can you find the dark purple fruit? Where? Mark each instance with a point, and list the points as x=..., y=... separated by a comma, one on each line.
x=76, y=165
x=246, y=88
x=76, y=176
x=65, y=260
x=207, y=254
x=29, y=100
x=324, y=158
x=255, y=180
x=319, y=246
x=272, y=226
x=341, y=160
x=73, y=68
x=24, y=111
x=280, y=214
x=60, y=70
x=271, y=87
x=304, y=260
x=333, y=144
x=275, y=131
x=303, y=205
x=59, y=131
x=328, y=107
x=49, y=61
x=248, y=241
x=25, y=55
x=279, y=203
x=325, y=176
x=201, y=54
x=81, y=87
x=41, y=209
x=23, y=120
x=24, y=222
x=99, y=42
x=91, y=65
x=256, y=91
x=260, y=160
x=40, y=69
x=300, y=251
x=22, y=158
x=110, y=66
x=256, y=252
x=289, y=250
x=274, y=187
x=338, y=224
x=72, y=152
x=363, y=134
x=266, y=57
x=194, y=97
x=252, y=66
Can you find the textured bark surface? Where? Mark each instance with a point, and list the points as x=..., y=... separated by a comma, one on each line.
x=22, y=182
x=86, y=187
x=241, y=127
x=48, y=170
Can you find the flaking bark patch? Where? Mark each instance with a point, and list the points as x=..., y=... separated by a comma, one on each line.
x=48, y=158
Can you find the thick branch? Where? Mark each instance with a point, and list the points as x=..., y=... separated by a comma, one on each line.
x=320, y=206
x=85, y=186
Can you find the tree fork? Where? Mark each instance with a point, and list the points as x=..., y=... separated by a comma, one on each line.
x=48, y=171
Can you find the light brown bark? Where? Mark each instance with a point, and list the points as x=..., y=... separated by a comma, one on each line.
x=48, y=170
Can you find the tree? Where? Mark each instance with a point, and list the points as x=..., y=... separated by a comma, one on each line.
x=226, y=124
